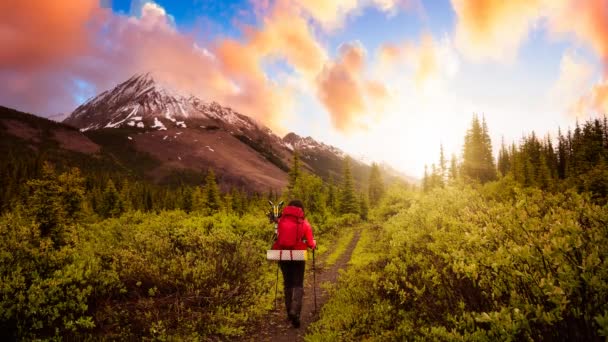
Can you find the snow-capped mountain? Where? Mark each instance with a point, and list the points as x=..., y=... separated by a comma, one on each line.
x=185, y=133
x=144, y=102
x=296, y=142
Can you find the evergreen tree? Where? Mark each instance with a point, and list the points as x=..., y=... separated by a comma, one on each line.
x=503, y=159
x=72, y=192
x=44, y=203
x=125, y=196
x=212, y=193
x=363, y=206
x=435, y=180
x=111, y=205
x=294, y=172
x=148, y=203
x=544, y=175
x=309, y=190
x=562, y=155
x=186, y=199
x=348, y=199
x=442, y=166
x=332, y=197
x=227, y=203
x=376, y=185
x=453, y=169
x=488, y=158
x=477, y=159
x=198, y=200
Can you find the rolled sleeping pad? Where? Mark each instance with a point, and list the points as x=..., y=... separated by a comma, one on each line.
x=286, y=255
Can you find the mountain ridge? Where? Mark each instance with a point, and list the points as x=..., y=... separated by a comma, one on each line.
x=174, y=134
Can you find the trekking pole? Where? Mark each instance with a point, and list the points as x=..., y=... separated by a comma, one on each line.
x=276, y=288
x=314, y=280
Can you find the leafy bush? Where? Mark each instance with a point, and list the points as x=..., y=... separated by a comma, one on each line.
x=530, y=266
x=140, y=275
x=47, y=290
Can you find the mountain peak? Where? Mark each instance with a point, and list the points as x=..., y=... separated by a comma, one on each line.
x=296, y=142
x=146, y=101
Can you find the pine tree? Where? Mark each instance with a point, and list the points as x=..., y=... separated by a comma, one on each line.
x=489, y=167
x=442, y=166
x=227, y=203
x=309, y=190
x=125, y=195
x=198, y=200
x=294, y=172
x=332, y=197
x=453, y=169
x=72, y=192
x=44, y=203
x=363, y=206
x=186, y=199
x=562, y=155
x=148, y=203
x=376, y=185
x=348, y=199
x=111, y=204
x=212, y=193
x=503, y=159
x=477, y=159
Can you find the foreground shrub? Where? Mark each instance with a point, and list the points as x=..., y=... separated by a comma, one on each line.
x=170, y=275
x=531, y=266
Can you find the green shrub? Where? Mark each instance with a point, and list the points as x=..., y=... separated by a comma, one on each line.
x=170, y=275
x=460, y=266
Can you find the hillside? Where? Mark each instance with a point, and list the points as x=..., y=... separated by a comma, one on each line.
x=185, y=134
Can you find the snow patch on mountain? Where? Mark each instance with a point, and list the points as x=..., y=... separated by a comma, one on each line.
x=158, y=124
x=143, y=98
x=296, y=142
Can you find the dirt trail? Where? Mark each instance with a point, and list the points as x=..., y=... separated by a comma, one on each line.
x=276, y=327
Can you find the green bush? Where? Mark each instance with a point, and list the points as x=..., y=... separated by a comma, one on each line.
x=460, y=266
x=170, y=275
x=47, y=290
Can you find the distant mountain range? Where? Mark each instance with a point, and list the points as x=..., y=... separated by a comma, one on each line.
x=157, y=133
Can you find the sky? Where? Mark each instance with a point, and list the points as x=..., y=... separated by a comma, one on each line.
x=384, y=80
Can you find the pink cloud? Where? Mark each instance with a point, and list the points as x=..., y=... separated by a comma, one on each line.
x=346, y=93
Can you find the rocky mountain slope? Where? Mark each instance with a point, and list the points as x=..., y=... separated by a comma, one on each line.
x=186, y=133
x=145, y=128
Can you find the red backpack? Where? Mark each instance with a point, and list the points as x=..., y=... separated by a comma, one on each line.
x=290, y=230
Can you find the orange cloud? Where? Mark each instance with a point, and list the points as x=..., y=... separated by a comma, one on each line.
x=588, y=20
x=61, y=27
x=594, y=102
x=347, y=95
x=425, y=59
x=494, y=29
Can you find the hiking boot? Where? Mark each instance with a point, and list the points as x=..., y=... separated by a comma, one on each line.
x=296, y=306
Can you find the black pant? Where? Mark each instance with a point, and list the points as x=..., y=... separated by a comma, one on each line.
x=293, y=273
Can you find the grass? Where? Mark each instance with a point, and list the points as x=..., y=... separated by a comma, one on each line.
x=340, y=246
x=362, y=254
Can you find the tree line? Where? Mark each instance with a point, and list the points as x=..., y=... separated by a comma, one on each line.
x=577, y=159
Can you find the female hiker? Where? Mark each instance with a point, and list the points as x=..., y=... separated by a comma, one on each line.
x=294, y=233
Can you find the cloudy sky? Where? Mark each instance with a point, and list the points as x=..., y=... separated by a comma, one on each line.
x=389, y=80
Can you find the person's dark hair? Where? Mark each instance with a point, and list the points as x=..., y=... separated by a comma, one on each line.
x=296, y=203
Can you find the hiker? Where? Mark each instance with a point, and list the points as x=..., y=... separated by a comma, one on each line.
x=294, y=233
